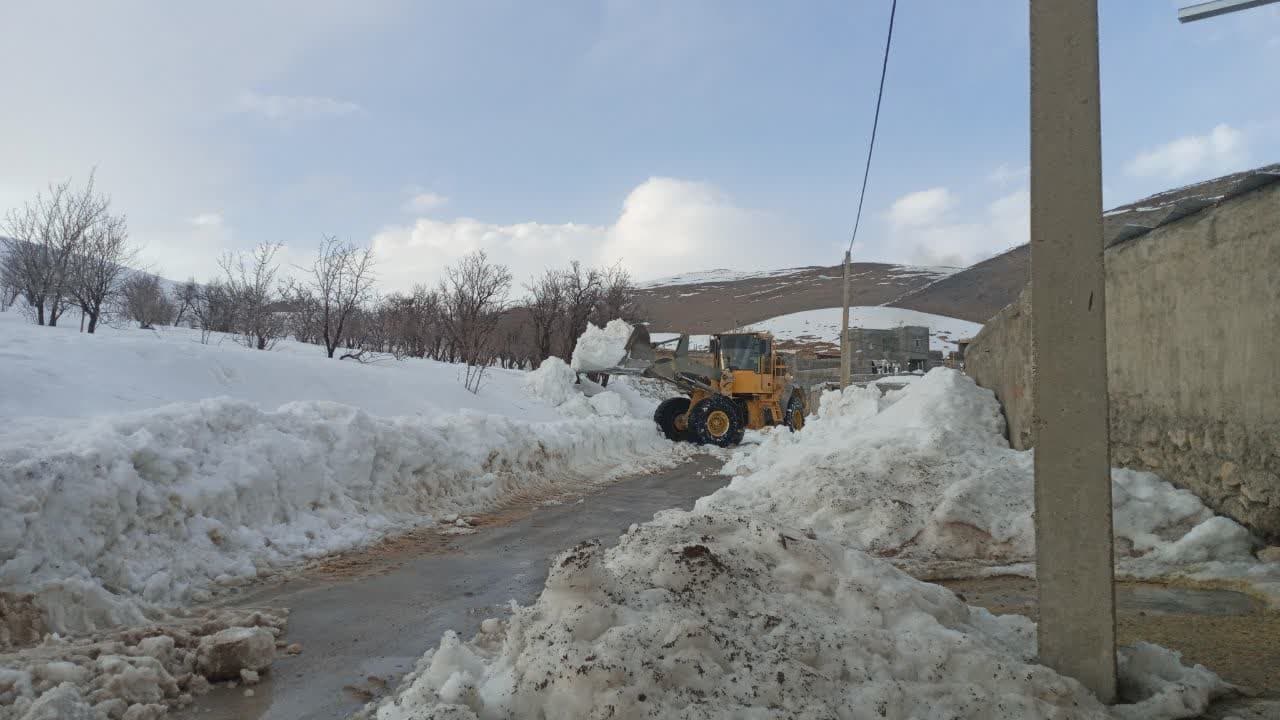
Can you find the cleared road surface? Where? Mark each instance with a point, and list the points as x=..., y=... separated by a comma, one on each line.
x=363, y=620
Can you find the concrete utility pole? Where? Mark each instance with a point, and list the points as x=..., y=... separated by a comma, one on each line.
x=1074, y=566
x=844, y=328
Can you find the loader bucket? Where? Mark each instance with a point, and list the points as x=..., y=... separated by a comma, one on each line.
x=640, y=354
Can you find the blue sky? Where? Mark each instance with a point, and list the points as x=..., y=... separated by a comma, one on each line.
x=671, y=135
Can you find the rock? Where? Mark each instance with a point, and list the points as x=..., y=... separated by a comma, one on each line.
x=1269, y=554
x=248, y=692
x=250, y=677
x=294, y=649
x=222, y=655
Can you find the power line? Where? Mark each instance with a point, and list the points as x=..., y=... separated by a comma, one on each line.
x=884, y=67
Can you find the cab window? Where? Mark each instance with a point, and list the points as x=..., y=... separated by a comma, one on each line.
x=742, y=352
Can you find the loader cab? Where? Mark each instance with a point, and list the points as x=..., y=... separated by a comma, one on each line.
x=740, y=352
x=750, y=358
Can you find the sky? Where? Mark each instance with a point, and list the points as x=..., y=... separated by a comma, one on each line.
x=668, y=135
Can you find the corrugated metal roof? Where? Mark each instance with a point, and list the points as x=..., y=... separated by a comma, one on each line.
x=1139, y=218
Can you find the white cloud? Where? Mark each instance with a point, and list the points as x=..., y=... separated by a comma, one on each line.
x=1193, y=156
x=292, y=107
x=666, y=225
x=920, y=208
x=424, y=201
x=927, y=229
x=207, y=220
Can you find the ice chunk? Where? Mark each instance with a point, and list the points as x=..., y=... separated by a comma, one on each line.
x=223, y=655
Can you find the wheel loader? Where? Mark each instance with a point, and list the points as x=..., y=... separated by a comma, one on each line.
x=748, y=385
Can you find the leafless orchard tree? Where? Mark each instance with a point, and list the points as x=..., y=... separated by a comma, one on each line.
x=473, y=296
x=213, y=309
x=144, y=301
x=99, y=270
x=617, y=297
x=546, y=306
x=338, y=283
x=254, y=293
x=185, y=297
x=582, y=288
x=45, y=234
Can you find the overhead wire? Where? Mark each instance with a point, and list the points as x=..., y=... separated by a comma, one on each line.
x=875, y=124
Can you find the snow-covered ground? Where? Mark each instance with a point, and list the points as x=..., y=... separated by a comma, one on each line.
x=778, y=595
x=143, y=469
x=824, y=325
x=60, y=372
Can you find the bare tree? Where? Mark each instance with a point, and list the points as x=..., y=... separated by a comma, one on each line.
x=185, y=298
x=45, y=234
x=213, y=309
x=144, y=301
x=254, y=294
x=473, y=296
x=339, y=282
x=546, y=311
x=582, y=287
x=617, y=297
x=99, y=269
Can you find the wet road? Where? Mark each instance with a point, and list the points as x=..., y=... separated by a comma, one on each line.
x=364, y=621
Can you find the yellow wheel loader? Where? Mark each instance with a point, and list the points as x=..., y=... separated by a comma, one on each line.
x=748, y=385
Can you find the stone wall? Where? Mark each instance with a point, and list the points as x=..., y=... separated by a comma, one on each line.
x=1193, y=331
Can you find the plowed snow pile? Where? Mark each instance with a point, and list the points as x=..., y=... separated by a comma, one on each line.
x=924, y=475
x=108, y=516
x=721, y=615
x=766, y=600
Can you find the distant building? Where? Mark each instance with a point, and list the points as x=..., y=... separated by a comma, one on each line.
x=901, y=348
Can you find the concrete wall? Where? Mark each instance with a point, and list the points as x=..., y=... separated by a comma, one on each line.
x=1193, y=329
x=999, y=358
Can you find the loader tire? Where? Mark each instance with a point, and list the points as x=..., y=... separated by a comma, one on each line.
x=717, y=421
x=672, y=418
x=795, y=412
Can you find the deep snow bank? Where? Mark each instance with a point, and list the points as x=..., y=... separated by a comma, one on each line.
x=102, y=518
x=720, y=615
x=925, y=476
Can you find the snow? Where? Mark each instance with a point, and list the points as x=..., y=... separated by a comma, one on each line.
x=601, y=348
x=768, y=598
x=724, y=615
x=824, y=325
x=230, y=463
x=130, y=673
x=718, y=275
x=925, y=476
x=60, y=372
